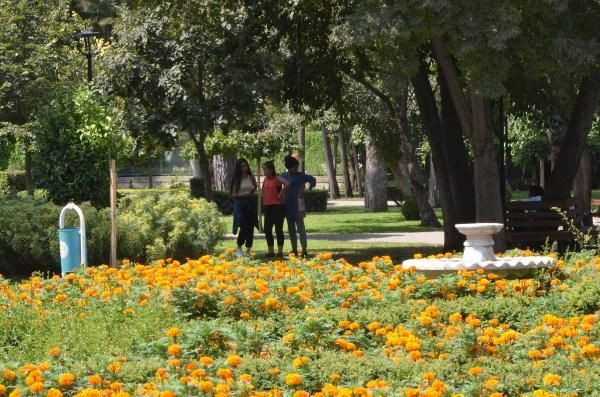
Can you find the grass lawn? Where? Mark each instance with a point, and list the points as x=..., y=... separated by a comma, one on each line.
x=353, y=220
x=352, y=252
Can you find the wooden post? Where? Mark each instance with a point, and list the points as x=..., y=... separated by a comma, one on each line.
x=259, y=192
x=542, y=174
x=113, y=213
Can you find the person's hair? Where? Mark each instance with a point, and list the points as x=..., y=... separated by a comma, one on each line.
x=237, y=175
x=535, y=190
x=270, y=166
x=290, y=162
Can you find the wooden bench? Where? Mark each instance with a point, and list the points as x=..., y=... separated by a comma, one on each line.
x=531, y=224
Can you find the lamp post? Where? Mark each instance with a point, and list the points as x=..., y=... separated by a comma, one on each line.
x=88, y=53
x=87, y=49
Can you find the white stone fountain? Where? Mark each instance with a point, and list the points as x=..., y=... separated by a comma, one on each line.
x=479, y=254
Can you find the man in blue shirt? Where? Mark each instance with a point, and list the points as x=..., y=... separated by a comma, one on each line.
x=291, y=197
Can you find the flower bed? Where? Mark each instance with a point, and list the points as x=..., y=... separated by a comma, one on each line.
x=218, y=326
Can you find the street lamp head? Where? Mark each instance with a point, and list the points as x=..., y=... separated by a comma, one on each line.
x=87, y=50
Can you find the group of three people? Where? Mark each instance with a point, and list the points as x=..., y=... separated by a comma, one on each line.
x=283, y=198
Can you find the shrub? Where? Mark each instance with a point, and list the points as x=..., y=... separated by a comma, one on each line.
x=223, y=202
x=196, y=188
x=29, y=235
x=410, y=210
x=316, y=200
x=169, y=225
x=4, y=185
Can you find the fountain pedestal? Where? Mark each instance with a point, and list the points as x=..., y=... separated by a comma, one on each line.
x=479, y=245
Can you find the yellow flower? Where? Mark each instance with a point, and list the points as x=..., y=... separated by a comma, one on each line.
x=293, y=379
x=552, y=380
x=474, y=371
x=167, y=393
x=300, y=361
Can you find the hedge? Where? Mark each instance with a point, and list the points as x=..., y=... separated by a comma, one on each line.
x=150, y=226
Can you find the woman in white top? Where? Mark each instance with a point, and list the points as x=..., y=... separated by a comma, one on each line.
x=243, y=186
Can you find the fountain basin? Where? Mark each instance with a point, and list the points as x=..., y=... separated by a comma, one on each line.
x=479, y=255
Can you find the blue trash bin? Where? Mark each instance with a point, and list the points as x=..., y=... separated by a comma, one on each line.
x=70, y=249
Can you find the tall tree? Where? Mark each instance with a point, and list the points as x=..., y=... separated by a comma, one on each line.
x=200, y=64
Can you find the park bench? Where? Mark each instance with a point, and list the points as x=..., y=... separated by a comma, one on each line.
x=529, y=224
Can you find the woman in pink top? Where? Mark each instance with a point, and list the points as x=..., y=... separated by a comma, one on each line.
x=274, y=208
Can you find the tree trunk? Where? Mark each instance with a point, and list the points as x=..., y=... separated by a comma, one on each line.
x=415, y=172
x=198, y=137
x=356, y=166
x=583, y=183
x=28, y=178
x=149, y=174
x=334, y=190
x=375, y=180
x=433, y=129
x=434, y=194
x=567, y=162
x=487, y=177
x=302, y=144
x=400, y=174
x=223, y=169
x=344, y=156
x=456, y=156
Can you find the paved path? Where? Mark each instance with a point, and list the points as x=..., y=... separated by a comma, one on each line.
x=352, y=203
x=432, y=238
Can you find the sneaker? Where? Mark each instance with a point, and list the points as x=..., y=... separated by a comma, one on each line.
x=238, y=253
x=304, y=254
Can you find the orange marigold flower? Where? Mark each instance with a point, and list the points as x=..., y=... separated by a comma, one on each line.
x=114, y=367
x=54, y=393
x=173, y=332
x=224, y=373
x=205, y=386
x=206, y=361
x=234, y=360
x=474, y=371
x=9, y=375
x=54, y=351
x=66, y=380
x=428, y=376
x=2, y=390
x=293, y=379
x=94, y=380
x=246, y=378
x=174, y=350
x=167, y=393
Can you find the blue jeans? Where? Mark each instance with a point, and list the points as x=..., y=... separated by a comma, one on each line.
x=293, y=225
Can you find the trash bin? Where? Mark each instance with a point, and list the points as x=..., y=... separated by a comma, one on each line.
x=72, y=242
x=70, y=249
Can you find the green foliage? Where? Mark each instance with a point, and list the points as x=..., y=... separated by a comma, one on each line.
x=15, y=180
x=264, y=144
x=4, y=185
x=77, y=135
x=170, y=225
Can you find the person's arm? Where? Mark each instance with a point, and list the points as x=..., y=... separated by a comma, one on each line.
x=311, y=180
x=284, y=182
